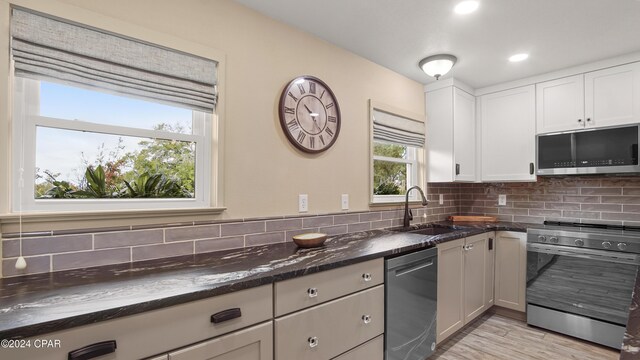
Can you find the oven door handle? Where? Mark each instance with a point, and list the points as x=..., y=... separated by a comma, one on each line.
x=603, y=255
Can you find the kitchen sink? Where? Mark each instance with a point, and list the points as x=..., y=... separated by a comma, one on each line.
x=432, y=231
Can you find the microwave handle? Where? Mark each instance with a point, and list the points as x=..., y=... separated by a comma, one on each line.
x=531, y=168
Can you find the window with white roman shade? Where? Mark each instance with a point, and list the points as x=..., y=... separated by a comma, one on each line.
x=397, y=144
x=107, y=122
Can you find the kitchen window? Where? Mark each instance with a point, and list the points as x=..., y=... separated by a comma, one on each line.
x=397, y=152
x=104, y=129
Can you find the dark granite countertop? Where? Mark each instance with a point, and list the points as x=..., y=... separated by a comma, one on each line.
x=631, y=342
x=38, y=304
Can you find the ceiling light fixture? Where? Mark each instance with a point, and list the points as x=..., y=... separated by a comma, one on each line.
x=437, y=65
x=518, y=57
x=466, y=7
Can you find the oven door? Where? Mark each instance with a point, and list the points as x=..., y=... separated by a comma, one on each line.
x=597, y=284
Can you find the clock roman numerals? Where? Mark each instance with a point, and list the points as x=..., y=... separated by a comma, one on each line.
x=292, y=125
x=321, y=139
x=301, y=136
x=312, y=142
x=329, y=106
x=312, y=87
x=289, y=110
x=323, y=91
x=301, y=88
x=292, y=96
x=331, y=119
x=328, y=131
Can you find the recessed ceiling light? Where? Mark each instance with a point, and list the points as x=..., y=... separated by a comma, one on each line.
x=466, y=7
x=518, y=57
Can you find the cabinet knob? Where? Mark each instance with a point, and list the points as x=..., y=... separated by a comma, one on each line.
x=580, y=121
x=313, y=292
x=313, y=341
x=532, y=168
x=366, y=319
x=457, y=169
x=366, y=277
x=588, y=119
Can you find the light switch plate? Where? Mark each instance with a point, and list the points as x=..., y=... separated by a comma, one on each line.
x=345, y=201
x=303, y=203
x=502, y=200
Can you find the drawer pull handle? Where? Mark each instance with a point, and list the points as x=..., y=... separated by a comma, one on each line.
x=313, y=292
x=93, y=351
x=366, y=277
x=313, y=341
x=366, y=319
x=226, y=315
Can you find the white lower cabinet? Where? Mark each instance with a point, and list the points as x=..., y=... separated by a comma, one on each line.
x=511, y=270
x=255, y=343
x=328, y=330
x=465, y=273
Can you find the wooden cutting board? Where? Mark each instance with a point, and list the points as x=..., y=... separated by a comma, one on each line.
x=472, y=218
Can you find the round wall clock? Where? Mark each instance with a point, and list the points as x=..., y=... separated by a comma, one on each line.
x=309, y=114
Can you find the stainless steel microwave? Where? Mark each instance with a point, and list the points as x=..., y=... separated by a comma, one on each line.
x=606, y=150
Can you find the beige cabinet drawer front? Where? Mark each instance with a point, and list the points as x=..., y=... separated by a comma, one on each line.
x=154, y=332
x=371, y=350
x=334, y=327
x=255, y=343
x=294, y=294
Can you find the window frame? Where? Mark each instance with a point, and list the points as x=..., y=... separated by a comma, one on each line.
x=417, y=163
x=26, y=118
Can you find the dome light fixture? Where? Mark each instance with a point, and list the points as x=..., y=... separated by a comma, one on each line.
x=437, y=65
x=466, y=7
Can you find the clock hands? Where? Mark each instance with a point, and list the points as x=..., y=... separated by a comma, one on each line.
x=313, y=117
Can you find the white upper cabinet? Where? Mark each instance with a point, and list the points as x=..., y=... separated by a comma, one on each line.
x=599, y=98
x=451, y=135
x=507, y=120
x=560, y=104
x=612, y=96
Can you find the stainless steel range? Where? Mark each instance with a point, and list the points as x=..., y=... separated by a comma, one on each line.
x=580, y=279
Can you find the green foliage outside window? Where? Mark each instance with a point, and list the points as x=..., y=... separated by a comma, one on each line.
x=389, y=178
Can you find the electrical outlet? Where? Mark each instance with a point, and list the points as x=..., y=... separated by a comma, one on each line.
x=441, y=199
x=502, y=200
x=345, y=201
x=303, y=203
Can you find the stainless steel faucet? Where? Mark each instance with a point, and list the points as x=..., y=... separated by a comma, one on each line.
x=408, y=216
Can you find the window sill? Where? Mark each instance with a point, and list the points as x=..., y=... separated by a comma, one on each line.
x=9, y=223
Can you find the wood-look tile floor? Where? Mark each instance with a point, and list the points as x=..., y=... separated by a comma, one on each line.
x=497, y=337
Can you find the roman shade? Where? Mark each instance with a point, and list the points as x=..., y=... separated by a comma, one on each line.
x=44, y=48
x=398, y=130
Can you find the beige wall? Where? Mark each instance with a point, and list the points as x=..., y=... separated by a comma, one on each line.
x=262, y=173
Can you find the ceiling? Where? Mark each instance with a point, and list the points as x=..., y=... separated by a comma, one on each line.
x=398, y=33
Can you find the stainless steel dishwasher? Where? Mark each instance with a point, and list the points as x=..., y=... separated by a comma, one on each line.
x=410, y=299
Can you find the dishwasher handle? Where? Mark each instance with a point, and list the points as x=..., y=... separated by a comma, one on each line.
x=415, y=266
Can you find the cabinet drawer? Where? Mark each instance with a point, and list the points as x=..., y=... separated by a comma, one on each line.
x=154, y=332
x=330, y=329
x=303, y=292
x=255, y=343
x=371, y=350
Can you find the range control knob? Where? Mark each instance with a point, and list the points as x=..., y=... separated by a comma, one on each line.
x=579, y=242
x=622, y=246
x=542, y=238
x=553, y=240
x=606, y=244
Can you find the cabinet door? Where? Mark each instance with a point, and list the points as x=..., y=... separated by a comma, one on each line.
x=511, y=263
x=439, y=109
x=450, y=316
x=464, y=133
x=612, y=96
x=560, y=104
x=507, y=119
x=490, y=272
x=254, y=343
x=476, y=266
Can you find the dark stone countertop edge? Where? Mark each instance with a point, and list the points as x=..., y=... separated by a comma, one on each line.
x=45, y=327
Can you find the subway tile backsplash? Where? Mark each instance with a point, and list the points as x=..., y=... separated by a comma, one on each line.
x=596, y=199
x=71, y=249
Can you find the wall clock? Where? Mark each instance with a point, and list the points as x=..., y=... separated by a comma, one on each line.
x=309, y=114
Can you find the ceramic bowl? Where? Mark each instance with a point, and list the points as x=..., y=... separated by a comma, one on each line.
x=310, y=240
